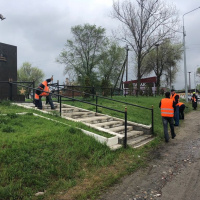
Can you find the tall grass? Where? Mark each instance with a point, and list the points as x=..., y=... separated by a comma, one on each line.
x=40, y=155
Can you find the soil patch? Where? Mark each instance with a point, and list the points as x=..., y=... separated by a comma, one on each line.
x=172, y=174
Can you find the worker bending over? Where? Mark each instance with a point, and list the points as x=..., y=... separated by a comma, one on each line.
x=43, y=90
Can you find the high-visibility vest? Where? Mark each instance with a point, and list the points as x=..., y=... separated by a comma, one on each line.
x=173, y=97
x=37, y=96
x=194, y=98
x=45, y=91
x=167, y=109
x=179, y=104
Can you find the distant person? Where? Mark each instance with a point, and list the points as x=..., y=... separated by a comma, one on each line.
x=175, y=97
x=194, y=101
x=43, y=90
x=181, y=110
x=167, y=106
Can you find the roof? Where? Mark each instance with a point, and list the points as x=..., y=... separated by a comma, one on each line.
x=143, y=80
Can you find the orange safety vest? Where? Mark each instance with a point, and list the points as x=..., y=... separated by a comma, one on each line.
x=37, y=96
x=194, y=99
x=173, y=97
x=45, y=91
x=167, y=109
x=179, y=104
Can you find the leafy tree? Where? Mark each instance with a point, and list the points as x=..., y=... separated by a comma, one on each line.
x=29, y=73
x=163, y=61
x=112, y=61
x=83, y=54
x=143, y=25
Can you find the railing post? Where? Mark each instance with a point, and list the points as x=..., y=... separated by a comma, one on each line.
x=73, y=93
x=125, y=128
x=60, y=104
x=58, y=90
x=33, y=90
x=152, y=123
x=96, y=103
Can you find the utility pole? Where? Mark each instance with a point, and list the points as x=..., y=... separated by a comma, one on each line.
x=189, y=81
x=157, y=91
x=127, y=49
x=2, y=17
x=185, y=66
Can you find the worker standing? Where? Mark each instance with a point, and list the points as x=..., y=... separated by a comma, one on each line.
x=175, y=97
x=181, y=110
x=167, y=112
x=194, y=101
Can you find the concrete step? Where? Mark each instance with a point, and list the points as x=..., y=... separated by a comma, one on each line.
x=138, y=140
x=121, y=129
x=76, y=115
x=110, y=124
x=133, y=134
x=69, y=110
x=115, y=147
x=96, y=119
x=140, y=144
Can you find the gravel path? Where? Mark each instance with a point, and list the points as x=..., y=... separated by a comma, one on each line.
x=173, y=174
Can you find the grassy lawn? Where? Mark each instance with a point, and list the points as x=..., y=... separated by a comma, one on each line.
x=38, y=155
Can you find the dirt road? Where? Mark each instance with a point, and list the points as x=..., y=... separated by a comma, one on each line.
x=173, y=174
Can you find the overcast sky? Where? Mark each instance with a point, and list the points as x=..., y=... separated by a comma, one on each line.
x=40, y=28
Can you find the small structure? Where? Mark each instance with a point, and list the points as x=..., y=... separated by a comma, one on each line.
x=8, y=71
x=144, y=82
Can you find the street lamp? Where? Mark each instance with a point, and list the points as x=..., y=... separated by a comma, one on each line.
x=185, y=67
x=195, y=74
x=189, y=81
x=157, y=62
x=127, y=49
x=2, y=17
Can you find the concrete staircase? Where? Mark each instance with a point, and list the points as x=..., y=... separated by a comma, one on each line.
x=137, y=134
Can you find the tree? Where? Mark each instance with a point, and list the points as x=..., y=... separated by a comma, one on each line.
x=83, y=54
x=113, y=57
x=163, y=60
x=29, y=73
x=143, y=25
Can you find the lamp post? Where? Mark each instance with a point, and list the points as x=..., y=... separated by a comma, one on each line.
x=195, y=74
x=189, y=81
x=157, y=63
x=185, y=67
x=2, y=17
x=127, y=49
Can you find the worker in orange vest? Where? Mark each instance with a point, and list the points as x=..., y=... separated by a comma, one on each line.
x=175, y=97
x=167, y=106
x=194, y=101
x=181, y=110
x=43, y=90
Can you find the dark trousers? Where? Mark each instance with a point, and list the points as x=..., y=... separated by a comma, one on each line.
x=49, y=100
x=165, y=121
x=194, y=105
x=176, y=116
x=181, y=111
x=38, y=103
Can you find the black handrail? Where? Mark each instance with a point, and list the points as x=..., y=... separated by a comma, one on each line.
x=60, y=98
x=151, y=109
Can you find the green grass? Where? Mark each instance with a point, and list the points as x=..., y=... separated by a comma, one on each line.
x=41, y=155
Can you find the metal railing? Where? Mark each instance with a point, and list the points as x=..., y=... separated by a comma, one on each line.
x=60, y=102
x=110, y=99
